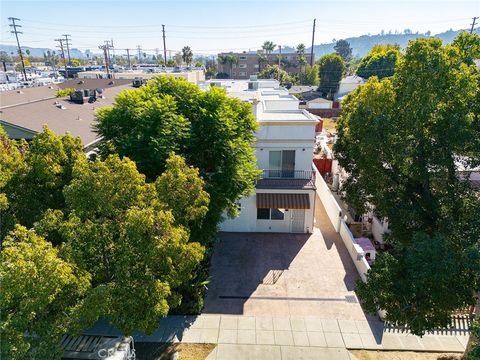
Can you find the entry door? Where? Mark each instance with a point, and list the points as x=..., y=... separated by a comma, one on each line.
x=298, y=220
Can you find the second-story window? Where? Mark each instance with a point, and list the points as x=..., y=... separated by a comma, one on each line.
x=281, y=164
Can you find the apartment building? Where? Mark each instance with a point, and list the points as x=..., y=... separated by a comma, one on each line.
x=248, y=64
x=284, y=199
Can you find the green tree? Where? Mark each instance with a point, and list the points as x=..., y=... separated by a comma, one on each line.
x=11, y=160
x=231, y=60
x=331, y=69
x=380, y=62
x=268, y=46
x=171, y=63
x=41, y=296
x=342, y=48
x=118, y=229
x=187, y=55
x=5, y=57
x=400, y=140
x=274, y=72
x=182, y=189
x=38, y=184
x=212, y=131
x=309, y=75
x=75, y=62
x=262, y=59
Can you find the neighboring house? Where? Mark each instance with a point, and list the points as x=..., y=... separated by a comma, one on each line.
x=319, y=103
x=24, y=112
x=348, y=84
x=284, y=199
x=248, y=64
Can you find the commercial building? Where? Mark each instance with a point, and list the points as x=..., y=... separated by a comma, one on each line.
x=248, y=64
x=284, y=199
x=193, y=76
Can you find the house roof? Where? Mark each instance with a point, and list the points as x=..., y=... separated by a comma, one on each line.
x=352, y=79
x=20, y=96
x=94, y=83
x=299, y=89
x=320, y=100
x=59, y=114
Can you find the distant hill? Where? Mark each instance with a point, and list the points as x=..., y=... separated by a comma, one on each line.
x=361, y=45
x=38, y=52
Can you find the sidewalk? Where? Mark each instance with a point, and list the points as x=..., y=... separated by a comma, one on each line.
x=278, y=332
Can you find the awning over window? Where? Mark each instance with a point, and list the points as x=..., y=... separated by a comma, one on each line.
x=283, y=201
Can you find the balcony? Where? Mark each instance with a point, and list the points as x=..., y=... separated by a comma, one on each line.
x=286, y=179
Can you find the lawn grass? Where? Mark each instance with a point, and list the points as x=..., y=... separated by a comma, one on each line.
x=164, y=351
x=329, y=125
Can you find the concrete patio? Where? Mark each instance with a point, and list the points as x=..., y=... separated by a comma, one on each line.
x=275, y=274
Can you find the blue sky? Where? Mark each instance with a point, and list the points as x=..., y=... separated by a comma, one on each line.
x=211, y=26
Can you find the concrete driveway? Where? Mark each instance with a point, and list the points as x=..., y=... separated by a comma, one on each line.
x=284, y=274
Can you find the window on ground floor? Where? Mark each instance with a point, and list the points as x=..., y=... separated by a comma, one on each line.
x=270, y=214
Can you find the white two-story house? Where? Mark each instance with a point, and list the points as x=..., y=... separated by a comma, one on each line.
x=284, y=199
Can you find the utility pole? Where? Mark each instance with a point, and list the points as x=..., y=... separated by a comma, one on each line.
x=279, y=60
x=128, y=56
x=139, y=50
x=113, y=52
x=16, y=32
x=105, y=55
x=63, y=56
x=68, y=48
x=164, y=47
x=473, y=24
x=313, y=41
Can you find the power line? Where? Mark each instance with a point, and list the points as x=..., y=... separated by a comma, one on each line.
x=473, y=23
x=67, y=43
x=164, y=46
x=63, y=56
x=16, y=32
x=106, y=57
x=313, y=41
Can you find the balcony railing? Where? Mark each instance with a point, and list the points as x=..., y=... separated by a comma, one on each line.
x=286, y=179
x=287, y=174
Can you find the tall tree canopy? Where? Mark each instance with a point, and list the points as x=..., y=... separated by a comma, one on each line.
x=331, y=69
x=41, y=296
x=342, y=48
x=400, y=140
x=187, y=55
x=212, y=131
x=37, y=182
x=274, y=72
x=379, y=62
x=268, y=46
x=308, y=75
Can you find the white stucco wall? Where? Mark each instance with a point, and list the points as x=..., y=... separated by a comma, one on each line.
x=247, y=220
x=287, y=132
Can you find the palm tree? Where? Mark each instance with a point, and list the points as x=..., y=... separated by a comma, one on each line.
x=268, y=46
x=301, y=49
x=262, y=59
x=187, y=55
x=231, y=59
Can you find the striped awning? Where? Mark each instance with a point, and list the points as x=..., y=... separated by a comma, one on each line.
x=283, y=201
